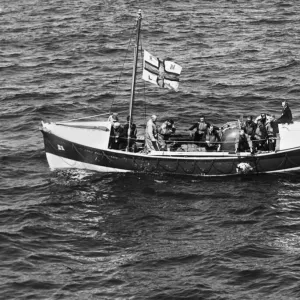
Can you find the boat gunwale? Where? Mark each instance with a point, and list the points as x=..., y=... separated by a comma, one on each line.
x=183, y=155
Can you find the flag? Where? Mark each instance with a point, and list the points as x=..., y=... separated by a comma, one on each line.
x=163, y=73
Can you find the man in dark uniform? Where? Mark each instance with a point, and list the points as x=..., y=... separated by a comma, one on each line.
x=286, y=116
x=243, y=142
x=272, y=130
x=201, y=130
x=261, y=136
x=249, y=126
x=116, y=136
x=212, y=139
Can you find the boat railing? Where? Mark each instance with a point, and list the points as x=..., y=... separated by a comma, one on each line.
x=187, y=145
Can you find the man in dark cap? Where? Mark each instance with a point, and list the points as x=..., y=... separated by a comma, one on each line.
x=243, y=142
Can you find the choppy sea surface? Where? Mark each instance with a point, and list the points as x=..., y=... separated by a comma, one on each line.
x=79, y=235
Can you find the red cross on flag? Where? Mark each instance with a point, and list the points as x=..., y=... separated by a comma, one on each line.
x=163, y=73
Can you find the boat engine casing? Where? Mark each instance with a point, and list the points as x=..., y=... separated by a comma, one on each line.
x=229, y=137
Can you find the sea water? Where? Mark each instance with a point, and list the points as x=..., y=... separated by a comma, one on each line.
x=79, y=235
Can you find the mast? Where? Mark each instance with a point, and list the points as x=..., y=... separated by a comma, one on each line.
x=135, y=60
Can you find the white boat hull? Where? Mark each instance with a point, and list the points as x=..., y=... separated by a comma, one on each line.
x=57, y=162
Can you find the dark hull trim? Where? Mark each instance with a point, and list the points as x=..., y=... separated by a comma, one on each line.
x=198, y=166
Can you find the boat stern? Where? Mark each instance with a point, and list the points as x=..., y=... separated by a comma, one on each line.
x=289, y=136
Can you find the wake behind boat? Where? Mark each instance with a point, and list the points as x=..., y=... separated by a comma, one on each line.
x=86, y=144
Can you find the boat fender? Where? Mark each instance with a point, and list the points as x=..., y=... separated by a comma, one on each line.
x=244, y=168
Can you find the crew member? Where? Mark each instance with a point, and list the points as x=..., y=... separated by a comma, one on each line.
x=151, y=135
x=243, y=142
x=201, y=130
x=133, y=133
x=272, y=130
x=261, y=136
x=249, y=126
x=164, y=132
x=116, y=136
x=212, y=139
x=263, y=118
x=286, y=116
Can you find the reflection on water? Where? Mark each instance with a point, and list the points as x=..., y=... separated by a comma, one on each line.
x=286, y=222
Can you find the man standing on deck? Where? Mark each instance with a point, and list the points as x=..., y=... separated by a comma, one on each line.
x=201, y=130
x=151, y=135
x=212, y=139
x=243, y=142
x=116, y=136
x=260, y=136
